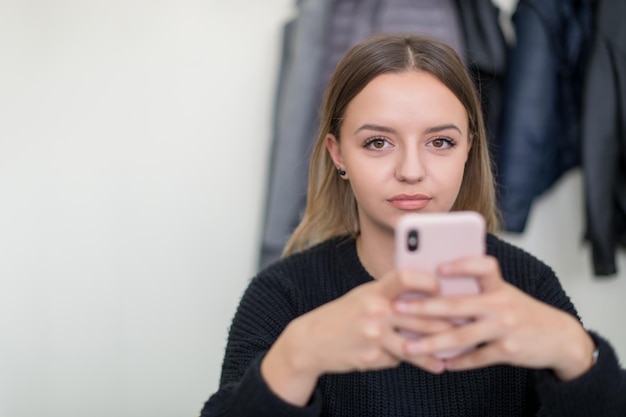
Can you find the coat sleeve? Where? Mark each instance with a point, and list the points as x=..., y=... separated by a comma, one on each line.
x=540, y=125
x=263, y=313
x=600, y=155
x=528, y=124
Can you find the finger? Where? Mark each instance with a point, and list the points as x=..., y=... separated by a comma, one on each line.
x=461, y=337
x=396, y=345
x=377, y=359
x=399, y=282
x=481, y=357
x=458, y=306
x=428, y=363
x=485, y=268
x=421, y=325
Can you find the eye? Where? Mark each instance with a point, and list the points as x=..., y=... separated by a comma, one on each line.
x=441, y=143
x=377, y=143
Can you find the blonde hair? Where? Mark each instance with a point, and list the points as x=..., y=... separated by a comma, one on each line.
x=331, y=208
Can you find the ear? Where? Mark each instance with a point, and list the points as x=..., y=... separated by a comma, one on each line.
x=332, y=144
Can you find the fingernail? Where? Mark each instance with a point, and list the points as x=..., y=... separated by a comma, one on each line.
x=402, y=307
x=445, y=269
x=414, y=348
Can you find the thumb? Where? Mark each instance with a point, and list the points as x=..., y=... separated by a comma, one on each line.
x=398, y=282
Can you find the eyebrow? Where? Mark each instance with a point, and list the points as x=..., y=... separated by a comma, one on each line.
x=385, y=129
x=376, y=128
x=440, y=128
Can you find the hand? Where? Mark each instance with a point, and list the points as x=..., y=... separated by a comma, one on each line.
x=357, y=331
x=509, y=326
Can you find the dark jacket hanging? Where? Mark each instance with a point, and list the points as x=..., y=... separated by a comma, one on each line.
x=298, y=95
x=540, y=127
x=604, y=137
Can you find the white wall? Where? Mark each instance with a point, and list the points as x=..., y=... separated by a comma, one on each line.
x=134, y=138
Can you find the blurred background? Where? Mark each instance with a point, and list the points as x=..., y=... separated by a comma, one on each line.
x=135, y=141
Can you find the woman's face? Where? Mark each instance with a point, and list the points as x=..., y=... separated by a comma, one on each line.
x=403, y=144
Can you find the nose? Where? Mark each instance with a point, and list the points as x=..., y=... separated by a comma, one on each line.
x=410, y=167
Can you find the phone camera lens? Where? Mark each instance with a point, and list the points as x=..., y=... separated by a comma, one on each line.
x=413, y=240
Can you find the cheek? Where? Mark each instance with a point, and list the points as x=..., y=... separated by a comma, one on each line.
x=367, y=170
x=365, y=183
x=450, y=175
x=362, y=184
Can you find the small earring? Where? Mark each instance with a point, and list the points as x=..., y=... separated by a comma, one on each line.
x=341, y=172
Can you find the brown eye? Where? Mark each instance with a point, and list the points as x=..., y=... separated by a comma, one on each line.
x=441, y=143
x=438, y=143
x=378, y=143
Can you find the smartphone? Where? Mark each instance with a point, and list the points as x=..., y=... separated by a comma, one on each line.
x=425, y=241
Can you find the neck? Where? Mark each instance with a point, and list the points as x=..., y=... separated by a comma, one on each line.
x=376, y=252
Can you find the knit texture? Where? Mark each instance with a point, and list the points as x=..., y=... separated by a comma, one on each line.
x=302, y=282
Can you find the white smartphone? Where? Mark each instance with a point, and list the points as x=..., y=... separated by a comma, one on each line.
x=425, y=241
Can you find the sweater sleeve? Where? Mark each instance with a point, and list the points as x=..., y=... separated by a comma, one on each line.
x=601, y=392
x=250, y=396
x=263, y=313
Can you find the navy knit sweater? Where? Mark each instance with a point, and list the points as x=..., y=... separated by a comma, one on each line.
x=302, y=282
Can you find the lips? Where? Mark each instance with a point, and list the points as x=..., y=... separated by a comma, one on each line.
x=410, y=201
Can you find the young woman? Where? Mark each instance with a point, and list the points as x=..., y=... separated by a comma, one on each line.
x=316, y=334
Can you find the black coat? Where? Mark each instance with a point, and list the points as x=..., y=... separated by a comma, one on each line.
x=604, y=136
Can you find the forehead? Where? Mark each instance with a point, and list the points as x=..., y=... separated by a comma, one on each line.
x=412, y=97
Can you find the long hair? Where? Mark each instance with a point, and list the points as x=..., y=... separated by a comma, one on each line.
x=331, y=208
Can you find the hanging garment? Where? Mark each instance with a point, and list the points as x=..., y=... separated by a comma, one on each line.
x=486, y=58
x=540, y=128
x=296, y=105
x=604, y=137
